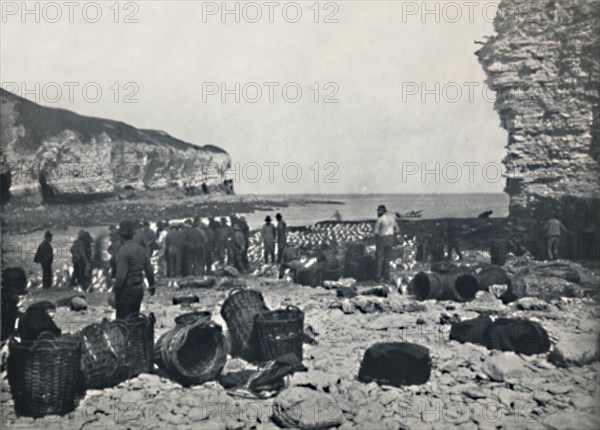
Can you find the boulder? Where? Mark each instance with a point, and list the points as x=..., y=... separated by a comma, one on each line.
x=303, y=408
x=569, y=420
x=346, y=292
x=201, y=282
x=576, y=350
x=543, y=287
x=78, y=304
x=506, y=366
x=231, y=271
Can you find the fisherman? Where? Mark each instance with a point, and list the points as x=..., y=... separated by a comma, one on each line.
x=246, y=231
x=149, y=238
x=174, y=245
x=132, y=264
x=45, y=256
x=225, y=242
x=239, y=244
x=204, y=188
x=209, y=246
x=553, y=230
x=213, y=225
x=281, y=236
x=192, y=250
x=89, y=251
x=82, y=265
x=384, y=230
x=268, y=234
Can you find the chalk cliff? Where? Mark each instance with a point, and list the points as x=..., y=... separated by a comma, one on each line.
x=70, y=157
x=544, y=64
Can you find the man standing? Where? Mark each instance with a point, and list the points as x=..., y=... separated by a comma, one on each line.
x=174, y=245
x=225, y=239
x=268, y=236
x=81, y=263
x=553, y=229
x=45, y=256
x=149, y=238
x=239, y=244
x=281, y=237
x=384, y=230
x=132, y=263
x=192, y=248
x=209, y=246
x=246, y=231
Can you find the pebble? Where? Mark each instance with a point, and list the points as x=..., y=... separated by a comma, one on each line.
x=557, y=388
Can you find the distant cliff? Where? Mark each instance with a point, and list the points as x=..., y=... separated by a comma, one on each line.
x=544, y=65
x=70, y=157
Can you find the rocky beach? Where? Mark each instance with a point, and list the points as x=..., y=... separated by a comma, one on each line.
x=470, y=386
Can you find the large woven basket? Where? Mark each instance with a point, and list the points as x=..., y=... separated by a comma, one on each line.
x=239, y=310
x=44, y=375
x=103, y=355
x=194, y=351
x=280, y=332
x=140, y=344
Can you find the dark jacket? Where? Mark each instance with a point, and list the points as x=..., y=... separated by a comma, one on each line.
x=78, y=251
x=44, y=254
x=281, y=231
x=193, y=239
x=174, y=239
x=132, y=263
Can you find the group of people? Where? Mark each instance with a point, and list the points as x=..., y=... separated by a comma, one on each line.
x=182, y=249
x=191, y=247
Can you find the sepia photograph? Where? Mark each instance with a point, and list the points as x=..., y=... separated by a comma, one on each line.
x=309, y=214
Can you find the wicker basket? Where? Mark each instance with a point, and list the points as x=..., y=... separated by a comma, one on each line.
x=194, y=351
x=140, y=344
x=44, y=375
x=103, y=359
x=239, y=310
x=280, y=332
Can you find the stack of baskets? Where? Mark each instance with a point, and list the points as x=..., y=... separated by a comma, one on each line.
x=140, y=344
x=238, y=311
x=44, y=375
x=280, y=332
x=103, y=356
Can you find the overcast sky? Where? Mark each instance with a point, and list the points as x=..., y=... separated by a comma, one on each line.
x=374, y=58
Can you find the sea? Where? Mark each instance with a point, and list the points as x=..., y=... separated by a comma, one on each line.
x=307, y=209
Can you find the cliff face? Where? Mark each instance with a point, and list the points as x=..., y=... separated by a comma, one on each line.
x=70, y=157
x=544, y=65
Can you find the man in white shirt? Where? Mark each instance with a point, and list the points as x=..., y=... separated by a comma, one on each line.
x=384, y=230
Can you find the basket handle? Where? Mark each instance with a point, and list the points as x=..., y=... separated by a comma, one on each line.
x=292, y=307
x=234, y=291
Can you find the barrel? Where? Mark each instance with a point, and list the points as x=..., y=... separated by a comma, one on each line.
x=460, y=287
x=193, y=352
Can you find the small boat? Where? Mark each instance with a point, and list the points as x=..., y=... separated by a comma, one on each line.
x=411, y=214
